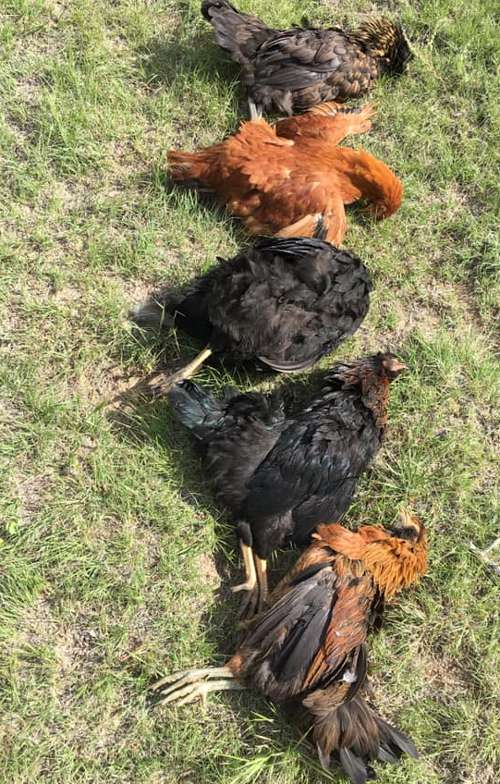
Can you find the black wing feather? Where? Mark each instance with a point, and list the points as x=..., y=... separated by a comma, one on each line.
x=286, y=302
x=286, y=638
x=296, y=58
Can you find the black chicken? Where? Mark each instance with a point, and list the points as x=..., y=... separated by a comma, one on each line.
x=283, y=302
x=281, y=475
x=298, y=68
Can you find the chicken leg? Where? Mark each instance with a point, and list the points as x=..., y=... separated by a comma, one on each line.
x=255, y=583
x=185, y=372
x=261, y=569
x=484, y=555
x=190, y=685
x=250, y=572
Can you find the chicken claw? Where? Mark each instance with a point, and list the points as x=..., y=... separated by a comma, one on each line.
x=484, y=555
x=190, y=685
x=255, y=585
x=251, y=605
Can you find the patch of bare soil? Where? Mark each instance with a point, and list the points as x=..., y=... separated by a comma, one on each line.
x=70, y=646
x=208, y=570
x=135, y=291
x=426, y=313
x=108, y=386
x=30, y=491
x=443, y=677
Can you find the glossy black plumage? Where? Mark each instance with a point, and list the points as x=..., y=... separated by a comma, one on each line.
x=285, y=302
x=281, y=475
x=298, y=68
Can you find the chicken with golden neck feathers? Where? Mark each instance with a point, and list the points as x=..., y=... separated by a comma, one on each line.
x=309, y=645
x=295, y=69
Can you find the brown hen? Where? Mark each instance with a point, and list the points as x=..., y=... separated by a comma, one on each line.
x=309, y=646
x=280, y=179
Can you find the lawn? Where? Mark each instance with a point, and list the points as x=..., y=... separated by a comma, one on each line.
x=115, y=560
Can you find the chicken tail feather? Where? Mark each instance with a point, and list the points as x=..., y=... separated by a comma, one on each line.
x=357, y=736
x=149, y=314
x=238, y=33
x=188, y=166
x=196, y=408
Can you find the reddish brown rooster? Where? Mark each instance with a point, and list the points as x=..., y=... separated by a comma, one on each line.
x=280, y=179
x=309, y=646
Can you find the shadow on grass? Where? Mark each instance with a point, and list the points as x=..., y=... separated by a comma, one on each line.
x=162, y=61
x=174, y=350
x=207, y=200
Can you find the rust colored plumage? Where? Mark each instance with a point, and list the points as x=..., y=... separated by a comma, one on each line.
x=330, y=122
x=297, y=68
x=393, y=562
x=279, y=179
x=309, y=646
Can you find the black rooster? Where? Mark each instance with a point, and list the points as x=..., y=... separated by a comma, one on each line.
x=283, y=302
x=298, y=68
x=281, y=475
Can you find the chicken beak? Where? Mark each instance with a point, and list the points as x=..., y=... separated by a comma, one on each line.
x=394, y=366
x=410, y=520
x=406, y=517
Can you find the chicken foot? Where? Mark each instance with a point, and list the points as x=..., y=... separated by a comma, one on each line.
x=254, y=602
x=255, y=583
x=484, y=555
x=190, y=685
x=185, y=372
x=255, y=111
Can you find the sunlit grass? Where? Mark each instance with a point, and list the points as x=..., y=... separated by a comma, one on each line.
x=115, y=558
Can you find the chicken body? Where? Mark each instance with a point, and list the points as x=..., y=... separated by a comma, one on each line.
x=278, y=180
x=281, y=475
x=298, y=68
x=283, y=302
x=309, y=645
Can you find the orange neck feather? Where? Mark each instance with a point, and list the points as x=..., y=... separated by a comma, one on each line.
x=361, y=175
x=393, y=563
x=374, y=390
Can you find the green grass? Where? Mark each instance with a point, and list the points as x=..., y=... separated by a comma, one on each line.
x=115, y=560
